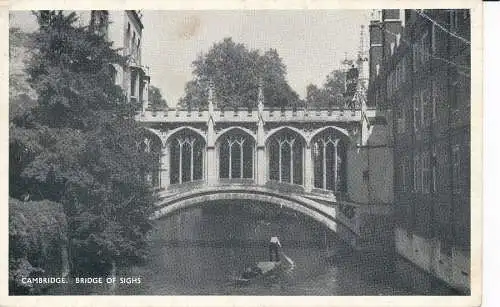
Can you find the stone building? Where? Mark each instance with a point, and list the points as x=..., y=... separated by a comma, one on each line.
x=124, y=29
x=420, y=78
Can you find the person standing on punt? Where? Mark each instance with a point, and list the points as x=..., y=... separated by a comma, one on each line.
x=274, y=244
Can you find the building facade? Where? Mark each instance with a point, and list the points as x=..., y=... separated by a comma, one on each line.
x=124, y=30
x=420, y=77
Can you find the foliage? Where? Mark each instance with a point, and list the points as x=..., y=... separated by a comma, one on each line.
x=79, y=145
x=70, y=71
x=37, y=231
x=156, y=101
x=235, y=72
x=331, y=94
x=19, y=44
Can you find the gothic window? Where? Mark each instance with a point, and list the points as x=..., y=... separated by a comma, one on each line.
x=186, y=157
x=426, y=107
x=416, y=112
x=127, y=38
x=417, y=175
x=285, y=157
x=401, y=121
x=236, y=150
x=456, y=171
x=329, y=161
x=132, y=45
x=434, y=169
x=151, y=148
x=133, y=80
x=138, y=47
x=426, y=172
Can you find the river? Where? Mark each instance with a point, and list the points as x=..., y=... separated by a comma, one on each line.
x=201, y=251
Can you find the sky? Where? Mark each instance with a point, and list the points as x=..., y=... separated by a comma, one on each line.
x=311, y=43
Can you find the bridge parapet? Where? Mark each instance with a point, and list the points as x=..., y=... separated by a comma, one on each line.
x=252, y=115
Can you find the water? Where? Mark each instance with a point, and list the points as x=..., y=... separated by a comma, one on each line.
x=202, y=251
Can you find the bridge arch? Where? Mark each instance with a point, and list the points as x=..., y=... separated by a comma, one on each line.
x=320, y=213
x=325, y=214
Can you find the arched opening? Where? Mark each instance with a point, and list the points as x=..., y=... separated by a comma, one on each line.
x=186, y=149
x=151, y=145
x=236, y=155
x=329, y=159
x=285, y=157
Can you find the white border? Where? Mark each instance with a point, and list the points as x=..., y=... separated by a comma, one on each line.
x=476, y=145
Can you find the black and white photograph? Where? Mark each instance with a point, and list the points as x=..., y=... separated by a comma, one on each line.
x=250, y=152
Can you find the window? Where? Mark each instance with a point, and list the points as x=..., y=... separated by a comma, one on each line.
x=186, y=157
x=426, y=172
x=454, y=82
x=398, y=75
x=403, y=69
x=434, y=100
x=236, y=156
x=417, y=175
x=434, y=169
x=132, y=44
x=285, y=157
x=416, y=112
x=402, y=175
x=453, y=16
x=329, y=161
x=433, y=39
x=425, y=108
x=127, y=37
x=443, y=167
x=407, y=174
x=113, y=74
x=415, y=56
x=401, y=119
x=389, y=85
x=138, y=46
x=133, y=81
x=456, y=171
x=424, y=48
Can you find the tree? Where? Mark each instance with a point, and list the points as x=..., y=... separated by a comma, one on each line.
x=79, y=145
x=37, y=237
x=331, y=94
x=235, y=72
x=156, y=101
x=70, y=71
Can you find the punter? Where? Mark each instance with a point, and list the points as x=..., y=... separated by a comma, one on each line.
x=274, y=245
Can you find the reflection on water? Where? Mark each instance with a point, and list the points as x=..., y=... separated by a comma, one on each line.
x=203, y=251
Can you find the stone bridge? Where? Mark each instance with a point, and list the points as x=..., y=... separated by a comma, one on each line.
x=297, y=158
